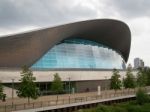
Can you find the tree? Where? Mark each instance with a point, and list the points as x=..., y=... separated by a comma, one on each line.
x=129, y=81
x=141, y=78
x=57, y=85
x=27, y=88
x=2, y=95
x=115, y=81
x=146, y=71
x=1, y=90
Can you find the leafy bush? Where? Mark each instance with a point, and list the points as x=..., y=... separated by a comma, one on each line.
x=118, y=109
x=141, y=97
x=122, y=107
x=133, y=108
x=102, y=108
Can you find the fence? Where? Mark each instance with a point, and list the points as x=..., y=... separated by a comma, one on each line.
x=69, y=100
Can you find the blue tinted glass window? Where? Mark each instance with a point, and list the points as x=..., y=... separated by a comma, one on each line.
x=80, y=53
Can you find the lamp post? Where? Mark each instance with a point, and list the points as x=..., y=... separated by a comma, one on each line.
x=69, y=85
x=12, y=92
x=105, y=82
x=69, y=88
x=123, y=85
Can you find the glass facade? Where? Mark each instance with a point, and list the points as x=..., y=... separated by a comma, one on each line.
x=79, y=53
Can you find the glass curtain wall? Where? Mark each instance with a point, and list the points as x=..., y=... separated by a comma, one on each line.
x=79, y=53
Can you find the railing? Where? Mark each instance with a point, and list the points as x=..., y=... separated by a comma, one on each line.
x=104, y=95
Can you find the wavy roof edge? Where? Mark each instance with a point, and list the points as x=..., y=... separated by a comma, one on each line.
x=47, y=27
x=27, y=47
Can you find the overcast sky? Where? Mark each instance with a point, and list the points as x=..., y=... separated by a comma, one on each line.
x=23, y=15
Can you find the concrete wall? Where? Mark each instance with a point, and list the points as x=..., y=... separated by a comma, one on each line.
x=6, y=76
x=84, y=80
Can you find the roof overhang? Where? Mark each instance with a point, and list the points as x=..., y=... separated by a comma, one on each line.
x=26, y=48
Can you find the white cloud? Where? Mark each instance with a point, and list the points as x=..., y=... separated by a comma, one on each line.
x=22, y=15
x=4, y=32
x=140, y=39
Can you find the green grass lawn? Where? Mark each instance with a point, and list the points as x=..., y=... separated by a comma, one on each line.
x=123, y=107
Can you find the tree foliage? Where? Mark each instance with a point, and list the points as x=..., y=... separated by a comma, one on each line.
x=1, y=91
x=115, y=81
x=146, y=71
x=141, y=78
x=142, y=97
x=57, y=85
x=27, y=88
x=102, y=108
x=129, y=80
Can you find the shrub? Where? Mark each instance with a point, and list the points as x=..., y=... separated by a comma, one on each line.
x=141, y=97
x=133, y=108
x=102, y=108
x=118, y=109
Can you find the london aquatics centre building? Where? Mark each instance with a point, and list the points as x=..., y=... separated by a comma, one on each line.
x=82, y=53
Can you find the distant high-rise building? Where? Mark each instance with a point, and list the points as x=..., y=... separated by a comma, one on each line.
x=129, y=66
x=123, y=65
x=138, y=63
x=142, y=63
